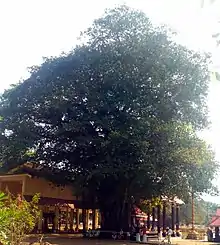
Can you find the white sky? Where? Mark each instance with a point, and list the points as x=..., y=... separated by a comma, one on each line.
x=31, y=29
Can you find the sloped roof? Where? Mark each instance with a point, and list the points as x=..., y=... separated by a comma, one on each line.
x=215, y=222
x=175, y=200
x=140, y=214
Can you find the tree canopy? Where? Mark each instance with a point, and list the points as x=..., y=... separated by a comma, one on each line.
x=117, y=115
x=203, y=212
x=215, y=34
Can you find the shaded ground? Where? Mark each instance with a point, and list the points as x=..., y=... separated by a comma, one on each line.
x=60, y=240
x=79, y=241
x=85, y=242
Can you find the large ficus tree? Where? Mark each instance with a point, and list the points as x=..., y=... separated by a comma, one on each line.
x=117, y=116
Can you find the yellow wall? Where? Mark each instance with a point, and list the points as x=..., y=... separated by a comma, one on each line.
x=27, y=185
x=13, y=187
x=46, y=189
x=12, y=183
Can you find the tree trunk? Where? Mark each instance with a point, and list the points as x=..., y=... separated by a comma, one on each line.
x=115, y=217
x=112, y=197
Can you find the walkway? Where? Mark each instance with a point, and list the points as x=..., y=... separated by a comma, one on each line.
x=71, y=240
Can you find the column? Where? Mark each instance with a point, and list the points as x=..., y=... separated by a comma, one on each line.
x=87, y=219
x=158, y=219
x=67, y=217
x=97, y=218
x=173, y=218
x=148, y=218
x=193, y=218
x=153, y=219
x=23, y=187
x=94, y=214
x=71, y=219
x=164, y=219
x=84, y=219
x=77, y=220
x=177, y=219
x=56, y=219
x=40, y=221
x=217, y=233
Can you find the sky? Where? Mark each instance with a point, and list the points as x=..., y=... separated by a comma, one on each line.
x=34, y=29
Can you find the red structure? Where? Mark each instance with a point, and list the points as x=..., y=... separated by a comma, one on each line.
x=155, y=220
x=141, y=217
x=215, y=223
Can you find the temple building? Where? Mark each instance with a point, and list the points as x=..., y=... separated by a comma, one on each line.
x=215, y=223
x=157, y=219
x=60, y=210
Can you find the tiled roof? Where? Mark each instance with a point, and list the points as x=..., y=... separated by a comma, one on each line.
x=215, y=222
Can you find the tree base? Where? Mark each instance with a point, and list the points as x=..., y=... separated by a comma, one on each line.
x=105, y=234
x=193, y=235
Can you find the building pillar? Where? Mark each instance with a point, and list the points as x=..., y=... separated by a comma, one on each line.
x=77, y=220
x=40, y=222
x=217, y=233
x=97, y=220
x=23, y=187
x=56, y=219
x=158, y=219
x=84, y=219
x=177, y=219
x=71, y=219
x=87, y=219
x=193, y=212
x=173, y=218
x=164, y=219
x=148, y=217
x=94, y=218
x=67, y=217
x=153, y=218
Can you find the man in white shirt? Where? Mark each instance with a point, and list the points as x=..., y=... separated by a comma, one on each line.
x=169, y=234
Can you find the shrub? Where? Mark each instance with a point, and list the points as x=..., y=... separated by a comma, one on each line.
x=17, y=218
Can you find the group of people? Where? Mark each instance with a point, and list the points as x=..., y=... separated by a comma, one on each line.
x=168, y=235
x=210, y=234
x=142, y=230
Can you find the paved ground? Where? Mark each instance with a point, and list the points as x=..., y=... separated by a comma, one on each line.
x=60, y=240
x=80, y=241
x=87, y=242
x=193, y=242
